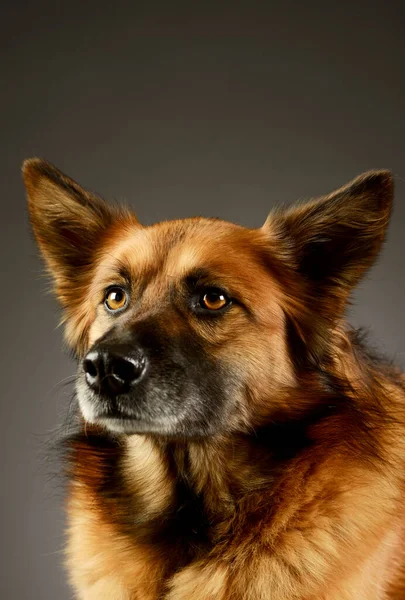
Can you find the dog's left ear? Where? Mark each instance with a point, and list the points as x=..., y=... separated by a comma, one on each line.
x=333, y=240
x=326, y=245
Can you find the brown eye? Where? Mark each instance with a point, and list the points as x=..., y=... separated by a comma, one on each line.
x=116, y=298
x=214, y=300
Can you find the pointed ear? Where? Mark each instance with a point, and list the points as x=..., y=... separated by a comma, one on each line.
x=327, y=245
x=67, y=220
x=70, y=225
x=333, y=240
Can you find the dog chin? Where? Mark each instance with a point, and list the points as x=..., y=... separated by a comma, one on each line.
x=125, y=424
x=128, y=425
x=97, y=411
x=120, y=423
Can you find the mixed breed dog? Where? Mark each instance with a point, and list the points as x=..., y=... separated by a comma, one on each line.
x=237, y=440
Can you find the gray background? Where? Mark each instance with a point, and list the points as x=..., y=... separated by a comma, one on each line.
x=221, y=110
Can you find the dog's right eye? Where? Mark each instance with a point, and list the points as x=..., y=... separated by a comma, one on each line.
x=115, y=299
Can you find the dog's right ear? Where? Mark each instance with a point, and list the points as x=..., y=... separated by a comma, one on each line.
x=67, y=220
x=70, y=225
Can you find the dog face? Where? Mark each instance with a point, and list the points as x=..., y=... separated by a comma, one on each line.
x=176, y=330
x=198, y=326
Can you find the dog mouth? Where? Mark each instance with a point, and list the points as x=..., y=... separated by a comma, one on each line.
x=171, y=398
x=154, y=412
x=119, y=420
x=144, y=412
x=145, y=382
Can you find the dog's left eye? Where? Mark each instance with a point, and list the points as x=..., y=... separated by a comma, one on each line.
x=214, y=299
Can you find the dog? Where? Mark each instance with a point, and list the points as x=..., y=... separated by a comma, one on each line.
x=238, y=440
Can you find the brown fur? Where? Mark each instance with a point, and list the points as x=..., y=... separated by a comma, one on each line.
x=301, y=495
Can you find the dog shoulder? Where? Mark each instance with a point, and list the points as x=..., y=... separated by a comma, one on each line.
x=111, y=485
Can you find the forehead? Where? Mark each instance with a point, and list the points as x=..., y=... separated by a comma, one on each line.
x=179, y=248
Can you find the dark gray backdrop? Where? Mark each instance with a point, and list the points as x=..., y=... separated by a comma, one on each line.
x=219, y=111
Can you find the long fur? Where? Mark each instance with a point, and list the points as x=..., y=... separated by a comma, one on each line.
x=285, y=478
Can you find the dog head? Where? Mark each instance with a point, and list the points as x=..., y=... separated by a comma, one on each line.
x=193, y=326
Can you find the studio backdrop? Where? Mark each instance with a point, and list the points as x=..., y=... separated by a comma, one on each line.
x=220, y=110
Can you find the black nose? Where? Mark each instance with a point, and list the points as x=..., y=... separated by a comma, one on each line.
x=112, y=372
